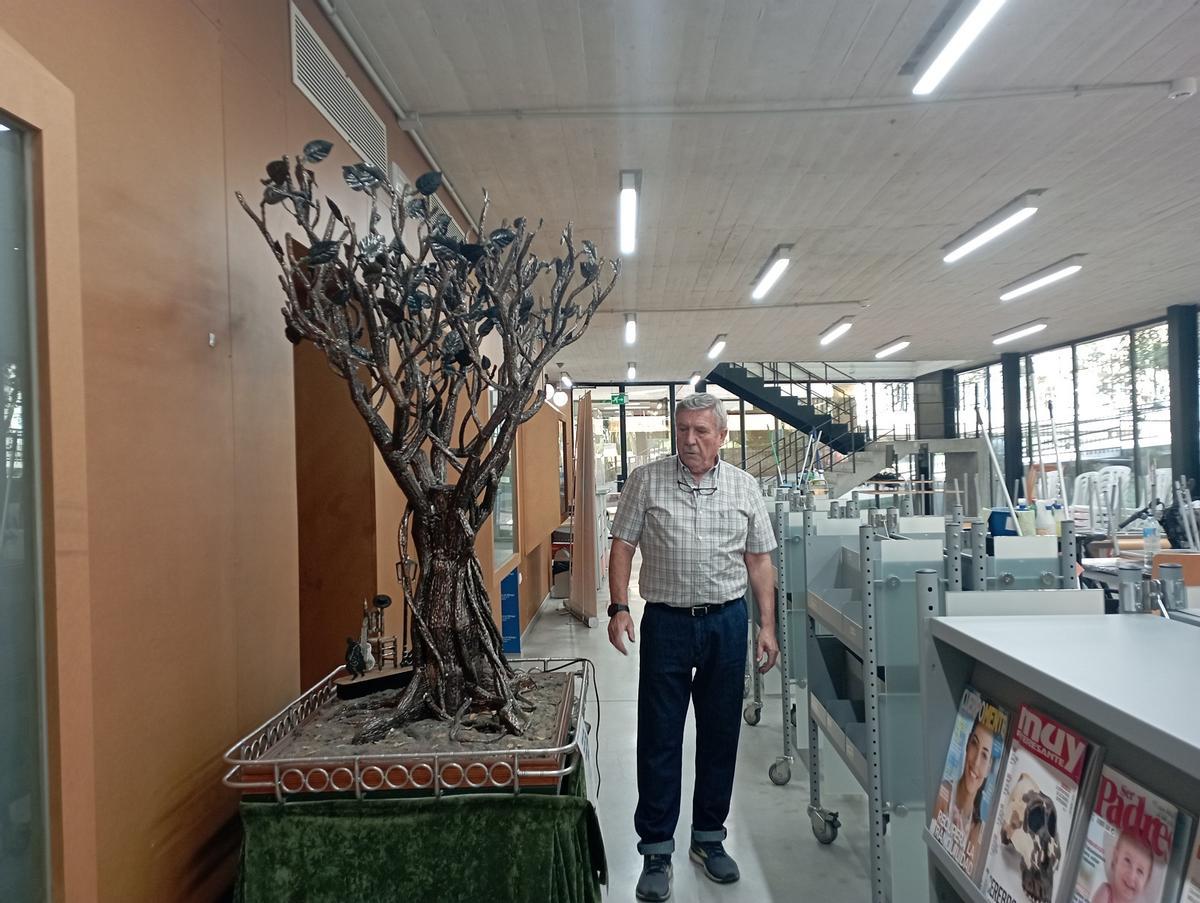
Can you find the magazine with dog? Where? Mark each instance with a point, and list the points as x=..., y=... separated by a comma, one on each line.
x=1132, y=838
x=1035, y=813
x=966, y=794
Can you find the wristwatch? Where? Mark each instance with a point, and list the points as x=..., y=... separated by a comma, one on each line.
x=615, y=607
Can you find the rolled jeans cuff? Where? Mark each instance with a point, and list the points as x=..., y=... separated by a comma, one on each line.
x=662, y=848
x=717, y=836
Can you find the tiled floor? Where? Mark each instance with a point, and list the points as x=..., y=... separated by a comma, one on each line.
x=769, y=832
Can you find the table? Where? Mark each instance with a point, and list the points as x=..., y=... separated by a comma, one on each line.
x=471, y=847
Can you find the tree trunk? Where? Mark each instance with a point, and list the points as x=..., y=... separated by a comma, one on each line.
x=458, y=658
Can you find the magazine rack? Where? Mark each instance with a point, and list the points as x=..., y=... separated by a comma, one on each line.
x=1116, y=680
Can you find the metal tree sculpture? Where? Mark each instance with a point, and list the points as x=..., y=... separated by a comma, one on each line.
x=403, y=327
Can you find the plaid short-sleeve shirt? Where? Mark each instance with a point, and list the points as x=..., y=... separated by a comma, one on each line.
x=693, y=535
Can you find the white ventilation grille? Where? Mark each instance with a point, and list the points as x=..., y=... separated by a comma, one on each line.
x=323, y=81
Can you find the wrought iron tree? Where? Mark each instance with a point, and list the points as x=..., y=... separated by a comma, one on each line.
x=403, y=326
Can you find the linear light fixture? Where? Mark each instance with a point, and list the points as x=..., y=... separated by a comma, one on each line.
x=771, y=271
x=1019, y=332
x=631, y=372
x=1010, y=215
x=631, y=184
x=564, y=380
x=1068, y=266
x=695, y=378
x=717, y=347
x=837, y=330
x=3, y=127
x=630, y=328
x=963, y=36
x=892, y=347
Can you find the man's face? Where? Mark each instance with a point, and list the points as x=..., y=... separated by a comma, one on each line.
x=698, y=438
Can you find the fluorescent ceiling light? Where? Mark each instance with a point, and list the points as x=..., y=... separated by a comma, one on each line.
x=769, y=275
x=717, y=346
x=564, y=380
x=3, y=127
x=1068, y=266
x=631, y=373
x=630, y=328
x=837, y=330
x=964, y=36
x=1019, y=332
x=560, y=399
x=549, y=391
x=892, y=347
x=1008, y=216
x=630, y=183
x=695, y=378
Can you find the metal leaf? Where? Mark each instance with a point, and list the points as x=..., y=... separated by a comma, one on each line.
x=322, y=252
x=361, y=177
x=429, y=183
x=416, y=208
x=292, y=334
x=487, y=364
x=589, y=270
x=485, y=327
x=370, y=245
x=273, y=194
x=393, y=311
x=317, y=150
x=277, y=171
x=502, y=238
x=472, y=252
x=335, y=211
x=441, y=224
x=590, y=248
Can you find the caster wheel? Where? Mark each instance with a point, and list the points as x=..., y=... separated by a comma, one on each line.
x=781, y=772
x=752, y=714
x=825, y=827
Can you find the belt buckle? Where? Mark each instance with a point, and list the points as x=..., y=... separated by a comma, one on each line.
x=699, y=610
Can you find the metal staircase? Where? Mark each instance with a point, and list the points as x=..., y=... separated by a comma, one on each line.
x=827, y=438
x=785, y=391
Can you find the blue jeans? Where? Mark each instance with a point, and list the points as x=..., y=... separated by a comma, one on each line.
x=702, y=658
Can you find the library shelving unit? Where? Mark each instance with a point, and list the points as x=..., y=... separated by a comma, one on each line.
x=1126, y=682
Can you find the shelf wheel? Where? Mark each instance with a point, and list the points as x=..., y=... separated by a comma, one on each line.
x=780, y=772
x=752, y=714
x=825, y=825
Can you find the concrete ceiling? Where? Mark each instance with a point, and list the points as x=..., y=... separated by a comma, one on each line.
x=762, y=122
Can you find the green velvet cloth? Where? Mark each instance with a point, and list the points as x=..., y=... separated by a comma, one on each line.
x=473, y=848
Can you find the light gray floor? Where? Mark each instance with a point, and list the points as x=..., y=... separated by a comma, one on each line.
x=769, y=832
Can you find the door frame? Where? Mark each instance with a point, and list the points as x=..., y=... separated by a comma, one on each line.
x=30, y=94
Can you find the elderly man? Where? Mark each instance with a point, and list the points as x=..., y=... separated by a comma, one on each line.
x=705, y=533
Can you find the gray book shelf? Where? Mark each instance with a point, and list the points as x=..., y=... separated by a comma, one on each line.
x=1128, y=683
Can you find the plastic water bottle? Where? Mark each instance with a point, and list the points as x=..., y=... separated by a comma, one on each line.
x=1149, y=542
x=1043, y=519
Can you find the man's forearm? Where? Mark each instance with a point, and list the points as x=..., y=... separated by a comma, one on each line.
x=762, y=581
x=620, y=565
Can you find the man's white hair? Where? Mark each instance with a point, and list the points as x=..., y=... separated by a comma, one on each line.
x=704, y=401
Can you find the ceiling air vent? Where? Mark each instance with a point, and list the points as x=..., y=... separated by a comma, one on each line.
x=323, y=81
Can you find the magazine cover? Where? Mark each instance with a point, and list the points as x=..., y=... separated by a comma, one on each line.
x=1130, y=839
x=1035, y=811
x=964, y=800
x=1191, y=886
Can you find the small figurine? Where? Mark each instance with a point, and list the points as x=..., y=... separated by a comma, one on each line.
x=365, y=642
x=355, y=663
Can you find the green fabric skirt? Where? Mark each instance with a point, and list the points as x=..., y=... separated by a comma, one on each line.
x=477, y=847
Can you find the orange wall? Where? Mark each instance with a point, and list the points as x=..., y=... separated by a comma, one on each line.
x=192, y=524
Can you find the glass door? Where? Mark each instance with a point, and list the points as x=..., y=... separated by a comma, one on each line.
x=22, y=732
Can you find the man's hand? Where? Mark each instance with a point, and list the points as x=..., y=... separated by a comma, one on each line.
x=766, y=651
x=619, y=627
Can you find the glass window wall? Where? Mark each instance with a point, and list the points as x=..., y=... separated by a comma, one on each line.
x=647, y=425
x=22, y=733
x=1152, y=386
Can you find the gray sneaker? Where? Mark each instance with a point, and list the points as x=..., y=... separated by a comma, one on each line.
x=718, y=865
x=655, y=883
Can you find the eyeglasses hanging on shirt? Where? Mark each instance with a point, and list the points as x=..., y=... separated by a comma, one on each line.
x=696, y=490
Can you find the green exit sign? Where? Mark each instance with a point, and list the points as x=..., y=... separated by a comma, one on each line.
x=617, y=399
